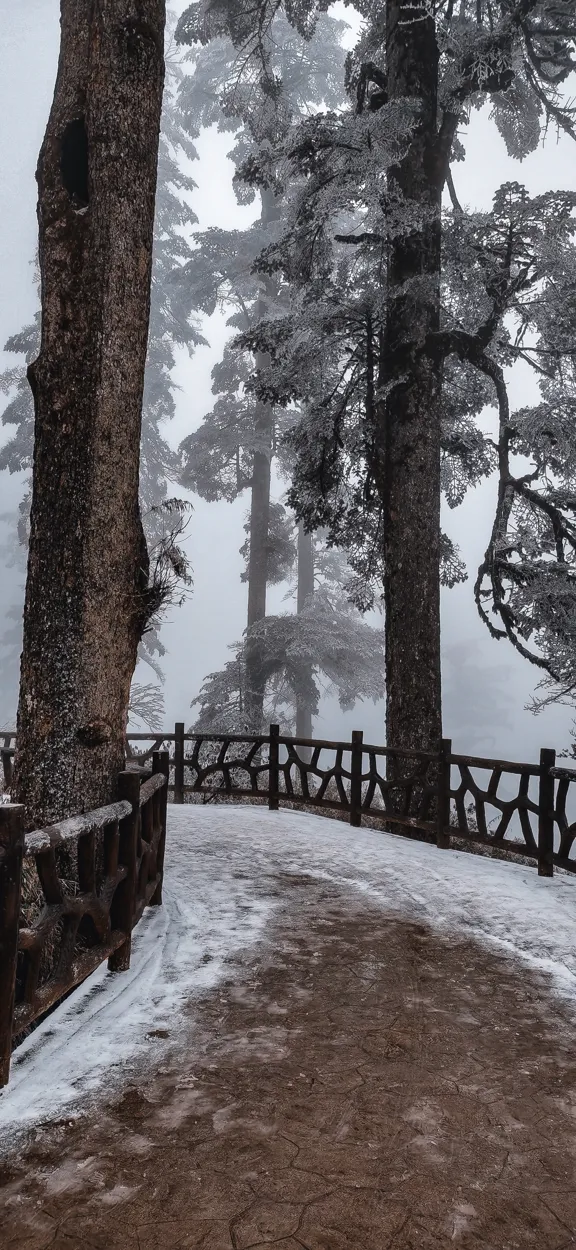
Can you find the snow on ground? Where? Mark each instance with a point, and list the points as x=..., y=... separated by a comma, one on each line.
x=220, y=894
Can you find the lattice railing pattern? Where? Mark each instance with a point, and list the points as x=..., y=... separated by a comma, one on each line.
x=482, y=812
x=517, y=807
x=74, y=871
x=226, y=765
x=323, y=774
x=150, y=843
x=408, y=792
x=140, y=747
x=78, y=889
x=319, y=775
x=520, y=808
x=565, y=816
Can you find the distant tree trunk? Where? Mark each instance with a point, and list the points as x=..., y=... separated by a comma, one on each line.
x=86, y=592
x=409, y=418
x=259, y=524
x=258, y=566
x=305, y=589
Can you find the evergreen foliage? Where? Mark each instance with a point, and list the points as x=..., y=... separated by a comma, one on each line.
x=506, y=294
x=325, y=648
x=236, y=442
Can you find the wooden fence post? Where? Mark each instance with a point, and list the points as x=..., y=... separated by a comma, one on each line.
x=356, y=778
x=6, y=767
x=546, y=814
x=11, y=853
x=124, y=903
x=443, y=813
x=179, y=762
x=161, y=764
x=274, y=769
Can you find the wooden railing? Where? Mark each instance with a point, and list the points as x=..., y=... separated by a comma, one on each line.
x=519, y=808
x=86, y=881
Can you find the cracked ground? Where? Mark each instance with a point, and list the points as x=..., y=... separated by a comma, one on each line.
x=357, y=1082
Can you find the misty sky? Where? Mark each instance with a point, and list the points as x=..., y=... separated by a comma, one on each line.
x=486, y=684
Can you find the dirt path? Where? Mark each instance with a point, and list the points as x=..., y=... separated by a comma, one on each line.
x=357, y=1083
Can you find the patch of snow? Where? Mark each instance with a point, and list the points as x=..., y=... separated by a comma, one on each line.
x=223, y=884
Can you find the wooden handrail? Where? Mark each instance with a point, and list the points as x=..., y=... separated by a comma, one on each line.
x=74, y=827
x=150, y=787
x=473, y=761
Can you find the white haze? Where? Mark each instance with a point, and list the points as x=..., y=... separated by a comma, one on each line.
x=486, y=684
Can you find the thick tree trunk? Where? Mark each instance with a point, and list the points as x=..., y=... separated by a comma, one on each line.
x=305, y=590
x=259, y=523
x=86, y=592
x=409, y=419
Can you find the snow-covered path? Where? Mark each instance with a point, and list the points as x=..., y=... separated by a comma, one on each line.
x=223, y=884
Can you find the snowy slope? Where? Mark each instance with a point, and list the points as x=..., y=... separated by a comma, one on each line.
x=221, y=889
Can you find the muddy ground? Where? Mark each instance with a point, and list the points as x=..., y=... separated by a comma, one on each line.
x=356, y=1083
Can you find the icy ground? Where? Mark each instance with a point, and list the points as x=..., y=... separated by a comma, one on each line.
x=223, y=883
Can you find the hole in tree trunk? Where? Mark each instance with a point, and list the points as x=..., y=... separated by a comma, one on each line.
x=74, y=162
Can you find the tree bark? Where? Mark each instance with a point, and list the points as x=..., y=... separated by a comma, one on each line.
x=258, y=566
x=87, y=584
x=305, y=589
x=409, y=418
x=259, y=523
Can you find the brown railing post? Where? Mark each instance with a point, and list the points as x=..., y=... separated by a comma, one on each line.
x=179, y=762
x=11, y=853
x=6, y=766
x=546, y=814
x=443, y=813
x=274, y=769
x=356, y=778
x=124, y=904
x=161, y=764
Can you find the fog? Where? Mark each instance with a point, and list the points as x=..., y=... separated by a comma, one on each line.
x=486, y=684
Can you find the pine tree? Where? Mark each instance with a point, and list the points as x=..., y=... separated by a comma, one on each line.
x=362, y=258
x=235, y=446
x=87, y=588
x=511, y=266
x=324, y=647
x=170, y=326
